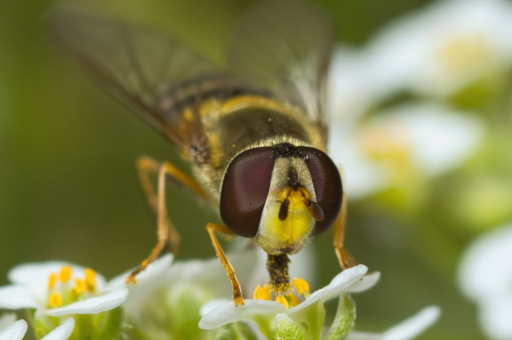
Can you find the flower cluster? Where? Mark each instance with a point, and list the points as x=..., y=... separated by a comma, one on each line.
x=410, y=104
x=185, y=300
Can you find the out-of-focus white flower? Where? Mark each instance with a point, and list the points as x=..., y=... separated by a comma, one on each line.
x=485, y=276
x=407, y=329
x=422, y=140
x=17, y=330
x=436, y=51
x=53, y=290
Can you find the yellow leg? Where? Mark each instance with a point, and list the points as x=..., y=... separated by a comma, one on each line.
x=166, y=231
x=237, y=290
x=344, y=256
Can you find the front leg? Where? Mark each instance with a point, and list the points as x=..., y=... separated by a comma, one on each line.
x=166, y=231
x=346, y=259
x=237, y=290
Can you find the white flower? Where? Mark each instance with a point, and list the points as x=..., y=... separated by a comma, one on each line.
x=409, y=141
x=485, y=276
x=275, y=320
x=269, y=315
x=162, y=306
x=439, y=50
x=407, y=329
x=53, y=290
x=17, y=330
x=59, y=288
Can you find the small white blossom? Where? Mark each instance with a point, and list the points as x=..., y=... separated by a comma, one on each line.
x=415, y=140
x=485, y=277
x=173, y=297
x=271, y=316
x=436, y=51
x=52, y=290
x=59, y=288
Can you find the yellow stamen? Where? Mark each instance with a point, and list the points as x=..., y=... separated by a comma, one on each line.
x=90, y=279
x=262, y=293
x=301, y=285
x=65, y=274
x=52, y=280
x=80, y=286
x=282, y=300
x=55, y=300
x=292, y=299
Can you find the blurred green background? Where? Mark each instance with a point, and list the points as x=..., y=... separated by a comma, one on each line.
x=68, y=185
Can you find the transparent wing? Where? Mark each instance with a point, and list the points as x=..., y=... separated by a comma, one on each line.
x=285, y=46
x=138, y=67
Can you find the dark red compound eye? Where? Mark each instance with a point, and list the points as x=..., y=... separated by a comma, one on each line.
x=245, y=189
x=327, y=183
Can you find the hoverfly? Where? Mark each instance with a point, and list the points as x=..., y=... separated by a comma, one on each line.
x=254, y=129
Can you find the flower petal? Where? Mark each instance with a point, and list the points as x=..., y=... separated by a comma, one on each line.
x=16, y=331
x=485, y=270
x=6, y=321
x=367, y=282
x=211, y=305
x=495, y=317
x=37, y=274
x=63, y=332
x=413, y=326
x=17, y=297
x=153, y=270
x=227, y=313
x=30, y=273
x=93, y=305
x=340, y=284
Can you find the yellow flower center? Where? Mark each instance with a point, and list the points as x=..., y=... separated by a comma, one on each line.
x=465, y=52
x=301, y=286
x=61, y=290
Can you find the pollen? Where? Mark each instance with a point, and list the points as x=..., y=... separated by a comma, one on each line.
x=301, y=285
x=52, y=280
x=292, y=299
x=282, y=300
x=55, y=300
x=262, y=293
x=90, y=279
x=65, y=274
x=80, y=286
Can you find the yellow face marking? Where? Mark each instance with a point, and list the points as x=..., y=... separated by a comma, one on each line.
x=294, y=229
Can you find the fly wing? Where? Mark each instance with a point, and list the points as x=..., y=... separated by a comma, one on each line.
x=286, y=46
x=139, y=67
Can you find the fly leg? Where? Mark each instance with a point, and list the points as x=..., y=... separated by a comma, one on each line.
x=237, y=290
x=344, y=256
x=166, y=231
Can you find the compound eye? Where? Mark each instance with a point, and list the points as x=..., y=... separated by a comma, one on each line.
x=245, y=189
x=327, y=183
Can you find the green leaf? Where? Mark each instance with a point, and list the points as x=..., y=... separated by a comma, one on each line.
x=344, y=320
x=287, y=329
